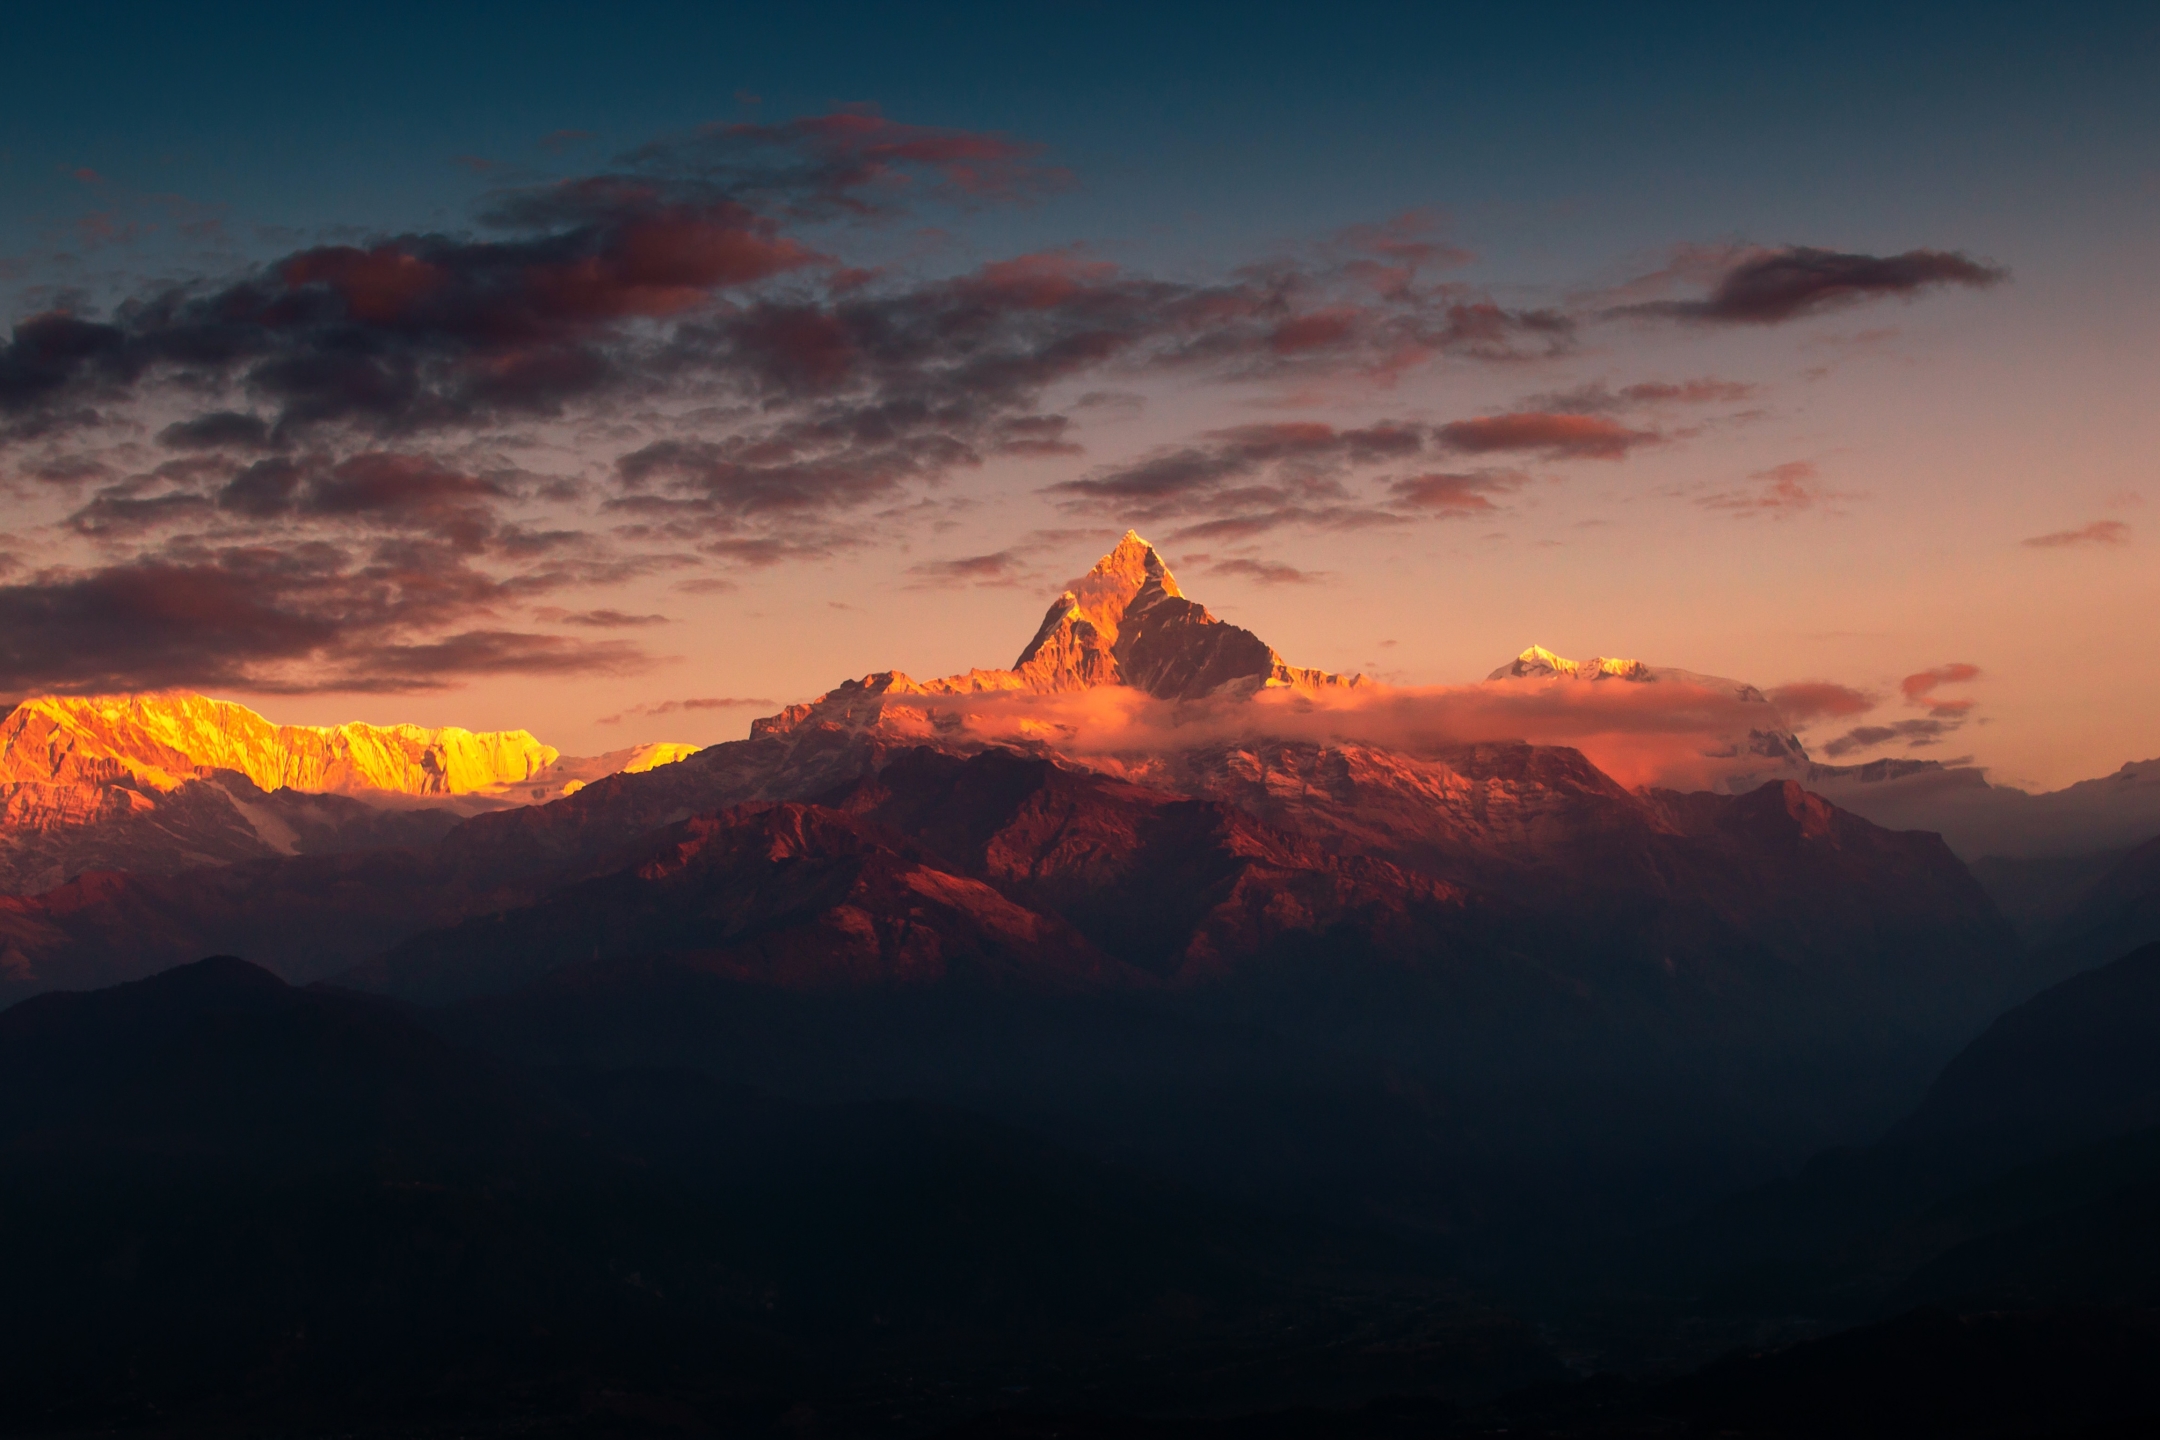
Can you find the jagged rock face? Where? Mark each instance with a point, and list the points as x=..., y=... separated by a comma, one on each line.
x=1126, y=622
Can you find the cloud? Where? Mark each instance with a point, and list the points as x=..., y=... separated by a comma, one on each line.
x=1456, y=494
x=1919, y=688
x=1787, y=489
x=1805, y=701
x=2100, y=532
x=1770, y=287
x=853, y=161
x=1599, y=398
x=255, y=618
x=1001, y=567
x=754, y=389
x=598, y=619
x=673, y=707
x=1917, y=735
x=1248, y=479
x=1265, y=572
x=217, y=430
x=1675, y=735
x=1556, y=436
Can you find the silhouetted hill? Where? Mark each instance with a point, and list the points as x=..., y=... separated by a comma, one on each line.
x=2117, y=913
x=230, y=1201
x=2028, y=1175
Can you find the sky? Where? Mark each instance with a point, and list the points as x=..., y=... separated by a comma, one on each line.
x=623, y=373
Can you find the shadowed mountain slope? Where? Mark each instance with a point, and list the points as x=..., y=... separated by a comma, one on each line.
x=239, y=1206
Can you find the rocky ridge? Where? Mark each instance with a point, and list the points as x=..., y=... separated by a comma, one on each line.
x=158, y=783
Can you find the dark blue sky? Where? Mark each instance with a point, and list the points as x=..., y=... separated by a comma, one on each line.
x=1192, y=129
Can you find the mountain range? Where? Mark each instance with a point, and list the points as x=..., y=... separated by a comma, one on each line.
x=159, y=783
x=1180, y=999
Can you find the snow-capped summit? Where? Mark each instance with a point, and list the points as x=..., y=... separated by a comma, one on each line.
x=1126, y=622
x=1539, y=663
x=1771, y=739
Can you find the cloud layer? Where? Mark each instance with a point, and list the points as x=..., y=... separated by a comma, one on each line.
x=352, y=465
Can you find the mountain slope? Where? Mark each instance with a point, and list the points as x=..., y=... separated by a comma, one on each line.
x=2038, y=1137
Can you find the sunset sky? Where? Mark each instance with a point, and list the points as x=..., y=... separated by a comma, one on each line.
x=487, y=368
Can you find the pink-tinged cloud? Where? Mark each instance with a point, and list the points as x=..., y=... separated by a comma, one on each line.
x=1919, y=689
x=673, y=707
x=1553, y=435
x=999, y=568
x=1805, y=701
x=1919, y=686
x=2100, y=532
x=1456, y=494
x=1787, y=489
x=1599, y=398
x=1265, y=572
x=1673, y=735
x=598, y=619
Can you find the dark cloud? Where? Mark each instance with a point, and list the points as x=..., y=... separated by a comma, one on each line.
x=1556, y=436
x=1456, y=494
x=1000, y=568
x=1599, y=398
x=1806, y=701
x=1249, y=479
x=1917, y=735
x=2100, y=532
x=1266, y=572
x=1769, y=287
x=1303, y=448
x=598, y=619
x=217, y=430
x=306, y=617
x=672, y=707
x=853, y=161
x=684, y=275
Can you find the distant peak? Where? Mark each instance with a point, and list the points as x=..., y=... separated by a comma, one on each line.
x=165, y=739
x=1538, y=661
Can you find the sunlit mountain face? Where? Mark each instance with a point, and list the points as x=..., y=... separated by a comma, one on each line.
x=1192, y=723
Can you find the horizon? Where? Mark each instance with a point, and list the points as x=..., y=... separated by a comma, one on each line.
x=1806, y=708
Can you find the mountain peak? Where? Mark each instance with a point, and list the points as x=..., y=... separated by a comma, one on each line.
x=1539, y=663
x=1126, y=622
